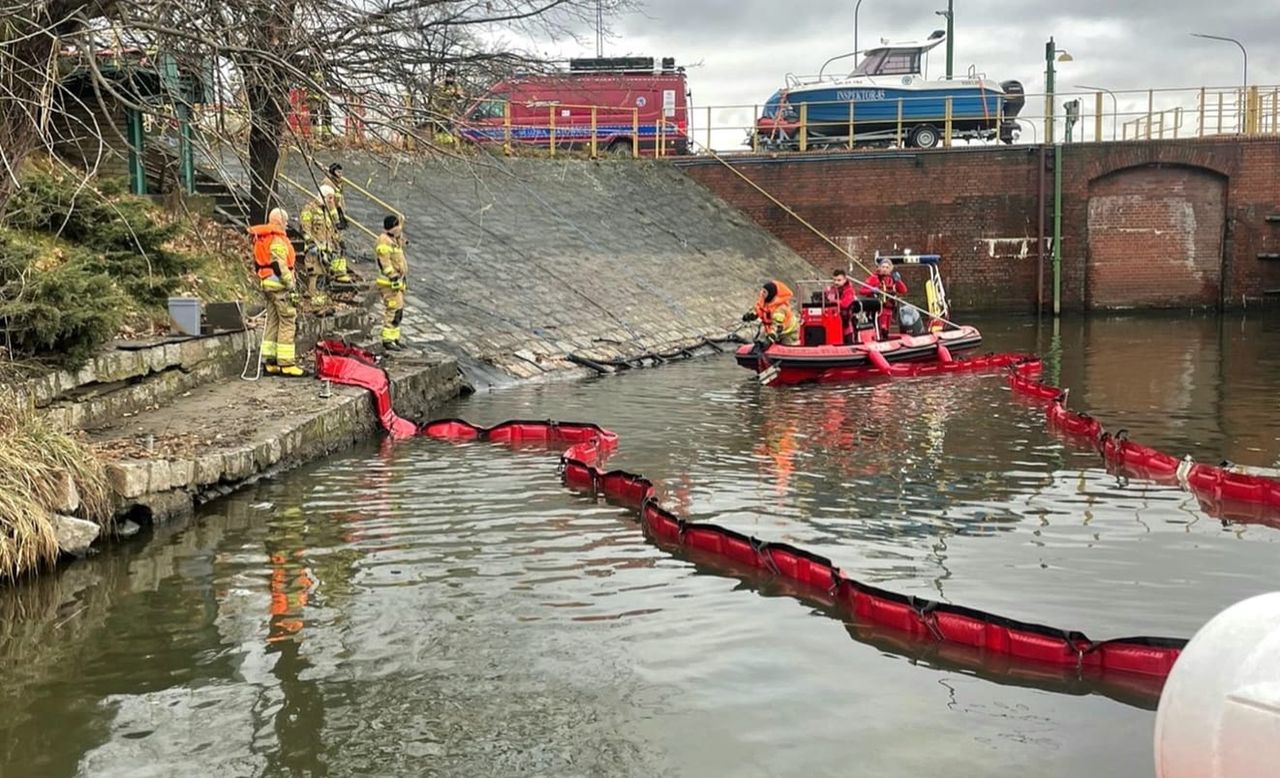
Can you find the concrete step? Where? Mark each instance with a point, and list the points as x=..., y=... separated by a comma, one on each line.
x=164, y=461
x=130, y=377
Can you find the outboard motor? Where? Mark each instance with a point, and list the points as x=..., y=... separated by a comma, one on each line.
x=1015, y=97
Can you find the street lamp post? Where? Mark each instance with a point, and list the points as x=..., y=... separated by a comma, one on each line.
x=1115, y=104
x=1049, y=51
x=950, y=15
x=1243, y=51
x=1244, y=92
x=856, y=8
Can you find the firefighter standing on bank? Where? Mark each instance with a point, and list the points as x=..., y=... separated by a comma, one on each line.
x=274, y=259
x=319, y=220
x=392, y=270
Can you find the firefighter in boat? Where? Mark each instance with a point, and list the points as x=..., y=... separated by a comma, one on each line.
x=773, y=310
x=882, y=284
x=841, y=295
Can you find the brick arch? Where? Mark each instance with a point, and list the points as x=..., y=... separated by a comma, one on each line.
x=1119, y=158
x=1155, y=236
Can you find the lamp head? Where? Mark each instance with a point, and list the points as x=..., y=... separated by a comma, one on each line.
x=1065, y=57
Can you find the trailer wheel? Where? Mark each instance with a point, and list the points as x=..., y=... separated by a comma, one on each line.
x=924, y=136
x=619, y=148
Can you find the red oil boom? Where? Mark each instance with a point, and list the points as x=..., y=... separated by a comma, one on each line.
x=806, y=573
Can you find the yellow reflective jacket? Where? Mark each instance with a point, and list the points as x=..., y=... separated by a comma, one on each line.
x=391, y=261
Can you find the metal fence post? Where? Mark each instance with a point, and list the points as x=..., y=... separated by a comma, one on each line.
x=1219, y=113
x=635, y=133
x=551, y=123
x=708, y=128
x=850, y=125
x=1151, y=108
x=1097, y=117
x=506, y=128
x=1254, y=105
x=899, y=132
x=594, y=150
x=946, y=122
x=804, y=126
x=1200, y=119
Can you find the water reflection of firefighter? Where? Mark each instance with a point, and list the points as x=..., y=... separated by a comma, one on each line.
x=299, y=724
x=778, y=442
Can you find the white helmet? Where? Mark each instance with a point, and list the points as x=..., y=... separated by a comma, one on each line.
x=327, y=191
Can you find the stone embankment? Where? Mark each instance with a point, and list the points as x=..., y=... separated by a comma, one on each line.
x=176, y=425
x=516, y=265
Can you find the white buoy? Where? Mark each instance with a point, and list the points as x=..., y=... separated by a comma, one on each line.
x=1219, y=714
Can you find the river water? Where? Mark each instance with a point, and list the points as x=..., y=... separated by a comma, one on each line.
x=432, y=609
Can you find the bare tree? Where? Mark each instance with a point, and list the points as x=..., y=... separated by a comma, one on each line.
x=369, y=59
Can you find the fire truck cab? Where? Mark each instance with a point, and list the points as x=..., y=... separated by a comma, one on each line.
x=632, y=102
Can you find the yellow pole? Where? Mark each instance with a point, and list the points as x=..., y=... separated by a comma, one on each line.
x=1151, y=108
x=551, y=124
x=1200, y=119
x=946, y=122
x=594, y=153
x=804, y=126
x=506, y=128
x=408, y=110
x=635, y=133
x=850, y=125
x=1254, y=112
x=662, y=136
x=899, y=122
x=1097, y=117
x=1240, y=110
x=708, y=126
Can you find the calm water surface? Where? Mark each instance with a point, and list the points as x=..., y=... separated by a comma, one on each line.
x=428, y=609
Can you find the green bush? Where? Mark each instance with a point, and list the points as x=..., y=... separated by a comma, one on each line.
x=63, y=311
x=124, y=236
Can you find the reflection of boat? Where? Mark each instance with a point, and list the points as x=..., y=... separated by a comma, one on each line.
x=822, y=354
x=889, y=97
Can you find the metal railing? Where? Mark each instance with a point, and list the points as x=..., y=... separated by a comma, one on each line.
x=1097, y=116
x=1124, y=115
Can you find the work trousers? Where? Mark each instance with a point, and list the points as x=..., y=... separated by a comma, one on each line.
x=282, y=319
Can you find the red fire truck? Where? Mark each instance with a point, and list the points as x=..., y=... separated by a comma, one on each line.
x=631, y=102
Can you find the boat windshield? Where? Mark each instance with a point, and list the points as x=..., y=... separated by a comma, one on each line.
x=491, y=107
x=775, y=105
x=890, y=62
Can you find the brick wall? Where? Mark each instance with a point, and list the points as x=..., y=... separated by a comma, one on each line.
x=979, y=209
x=1155, y=238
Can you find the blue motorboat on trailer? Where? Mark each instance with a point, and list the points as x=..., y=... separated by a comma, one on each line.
x=889, y=100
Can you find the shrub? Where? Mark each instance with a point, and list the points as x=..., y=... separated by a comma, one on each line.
x=53, y=302
x=124, y=236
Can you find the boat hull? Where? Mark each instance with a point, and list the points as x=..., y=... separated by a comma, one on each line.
x=830, y=108
x=824, y=364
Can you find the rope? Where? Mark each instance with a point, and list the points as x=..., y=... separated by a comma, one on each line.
x=807, y=225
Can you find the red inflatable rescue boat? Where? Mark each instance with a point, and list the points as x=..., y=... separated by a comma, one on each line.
x=828, y=351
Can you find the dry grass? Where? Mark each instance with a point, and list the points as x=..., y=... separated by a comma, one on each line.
x=35, y=460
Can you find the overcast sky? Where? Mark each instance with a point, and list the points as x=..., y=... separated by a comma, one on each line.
x=739, y=52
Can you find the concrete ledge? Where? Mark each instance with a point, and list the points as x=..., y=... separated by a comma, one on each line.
x=119, y=382
x=242, y=433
